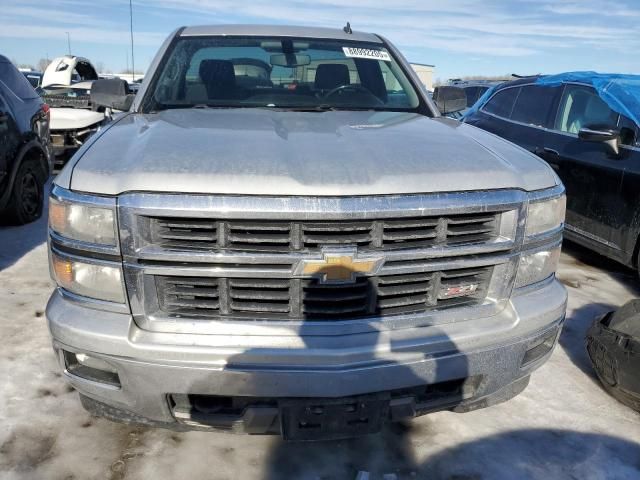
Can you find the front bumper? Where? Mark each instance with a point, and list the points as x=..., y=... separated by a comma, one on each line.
x=487, y=357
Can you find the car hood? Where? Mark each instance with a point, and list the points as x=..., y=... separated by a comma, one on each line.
x=72, y=118
x=271, y=152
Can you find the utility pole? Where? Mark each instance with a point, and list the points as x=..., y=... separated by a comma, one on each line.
x=133, y=64
x=68, y=42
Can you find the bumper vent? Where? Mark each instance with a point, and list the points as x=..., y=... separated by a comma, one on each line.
x=283, y=236
x=298, y=299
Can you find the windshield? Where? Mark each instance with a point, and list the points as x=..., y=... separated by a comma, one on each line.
x=279, y=72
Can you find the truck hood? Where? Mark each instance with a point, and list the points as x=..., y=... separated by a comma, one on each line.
x=271, y=152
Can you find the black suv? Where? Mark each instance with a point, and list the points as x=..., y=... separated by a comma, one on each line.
x=594, y=150
x=24, y=147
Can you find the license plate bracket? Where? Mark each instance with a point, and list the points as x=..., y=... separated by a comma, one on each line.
x=330, y=419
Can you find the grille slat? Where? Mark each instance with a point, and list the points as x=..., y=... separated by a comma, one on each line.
x=259, y=307
x=280, y=236
x=408, y=235
x=334, y=239
x=238, y=294
x=248, y=238
x=403, y=301
x=194, y=291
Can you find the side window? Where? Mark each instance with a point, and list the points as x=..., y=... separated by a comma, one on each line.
x=473, y=94
x=580, y=107
x=501, y=104
x=533, y=105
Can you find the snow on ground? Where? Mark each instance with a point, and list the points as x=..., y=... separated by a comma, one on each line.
x=563, y=426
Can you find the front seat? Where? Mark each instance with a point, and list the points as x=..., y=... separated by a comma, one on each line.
x=219, y=79
x=330, y=76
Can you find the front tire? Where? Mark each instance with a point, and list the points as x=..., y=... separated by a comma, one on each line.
x=27, y=196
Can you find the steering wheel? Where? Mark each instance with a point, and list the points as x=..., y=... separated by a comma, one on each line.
x=356, y=88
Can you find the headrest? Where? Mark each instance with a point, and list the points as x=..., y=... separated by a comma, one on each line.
x=331, y=75
x=217, y=73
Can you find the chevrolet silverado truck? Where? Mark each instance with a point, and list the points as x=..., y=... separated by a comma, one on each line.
x=282, y=235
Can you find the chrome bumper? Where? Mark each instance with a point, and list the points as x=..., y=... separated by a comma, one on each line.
x=152, y=365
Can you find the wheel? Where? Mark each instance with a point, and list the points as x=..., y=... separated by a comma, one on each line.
x=26, y=200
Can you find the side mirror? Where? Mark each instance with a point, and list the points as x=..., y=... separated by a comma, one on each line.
x=449, y=99
x=112, y=93
x=602, y=134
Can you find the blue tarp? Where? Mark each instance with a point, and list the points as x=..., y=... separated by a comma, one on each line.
x=620, y=91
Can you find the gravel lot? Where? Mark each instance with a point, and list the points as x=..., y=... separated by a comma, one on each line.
x=563, y=426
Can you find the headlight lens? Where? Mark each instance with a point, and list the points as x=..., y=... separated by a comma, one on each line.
x=545, y=215
x=103, y=282
x=538, y=266
x=82, y=222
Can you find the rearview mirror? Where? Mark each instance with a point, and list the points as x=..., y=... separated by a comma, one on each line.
x=449, y=99
x=112, y=93
x=602, y=134
x=291, y=60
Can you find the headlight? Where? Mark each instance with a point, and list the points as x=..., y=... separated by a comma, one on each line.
x=95, y=280
x=538, y=266
x=82, y=222
x=545, y=215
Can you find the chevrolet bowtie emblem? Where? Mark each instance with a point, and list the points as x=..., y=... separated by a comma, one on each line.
x=339, y=266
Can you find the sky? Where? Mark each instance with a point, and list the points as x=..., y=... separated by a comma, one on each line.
x=459, y=37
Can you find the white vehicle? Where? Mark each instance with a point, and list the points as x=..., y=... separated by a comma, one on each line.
x=66, y=85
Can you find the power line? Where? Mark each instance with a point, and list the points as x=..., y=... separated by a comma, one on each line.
x=133, y=65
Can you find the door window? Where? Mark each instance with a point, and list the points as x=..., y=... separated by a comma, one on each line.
x=580, y=107
x=533, y=105
x=501, y=104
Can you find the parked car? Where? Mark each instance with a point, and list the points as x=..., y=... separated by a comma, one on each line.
x=34, y=78
x=569, y=122
x=312, y=254
x=66, y=87
x=24, y=147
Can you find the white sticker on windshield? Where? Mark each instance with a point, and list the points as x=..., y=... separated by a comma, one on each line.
x=369, y=53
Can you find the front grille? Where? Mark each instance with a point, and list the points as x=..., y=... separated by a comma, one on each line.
x=283, y=236
x=298, y=299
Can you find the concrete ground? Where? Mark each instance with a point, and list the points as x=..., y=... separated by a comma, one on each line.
x=563, y=426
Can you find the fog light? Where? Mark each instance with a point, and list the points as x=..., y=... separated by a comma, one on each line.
x=91, y=368
x=540, y=348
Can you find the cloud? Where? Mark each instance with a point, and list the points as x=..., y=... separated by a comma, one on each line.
x=482, y=28
x=488, y=27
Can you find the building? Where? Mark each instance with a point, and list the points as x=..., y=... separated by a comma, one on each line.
x=425, y=74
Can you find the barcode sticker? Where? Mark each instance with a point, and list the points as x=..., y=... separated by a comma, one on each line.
x=368, y=53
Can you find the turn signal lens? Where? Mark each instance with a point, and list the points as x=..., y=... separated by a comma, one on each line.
x=102, y=282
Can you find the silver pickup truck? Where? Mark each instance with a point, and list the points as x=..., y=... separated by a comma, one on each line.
x=283, y=235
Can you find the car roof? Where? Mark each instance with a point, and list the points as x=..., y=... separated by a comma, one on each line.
x=519, y=81
x=279, y=31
